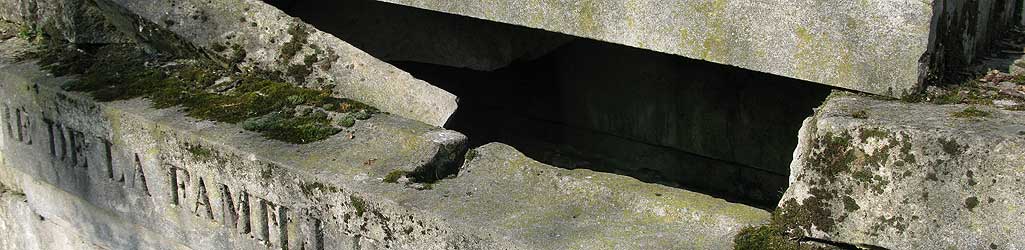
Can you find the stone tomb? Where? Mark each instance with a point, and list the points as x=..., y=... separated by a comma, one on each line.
x=124, y=176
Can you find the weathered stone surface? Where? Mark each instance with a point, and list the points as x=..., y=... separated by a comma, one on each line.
x=909, y=176
x=536, y=206
x=398, y=33
x=21, y=228
x=255, y=35
x=77, y=21
x=208, y=185
x=881, y=47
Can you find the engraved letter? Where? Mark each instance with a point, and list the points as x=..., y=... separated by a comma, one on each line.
x=202, y=206
x=140, y=176
x=236, y=215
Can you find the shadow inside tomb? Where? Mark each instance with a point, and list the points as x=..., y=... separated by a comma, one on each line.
x=580, y=103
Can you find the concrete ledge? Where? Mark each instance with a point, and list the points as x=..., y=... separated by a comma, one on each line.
x=908, y=176
x=209, y=185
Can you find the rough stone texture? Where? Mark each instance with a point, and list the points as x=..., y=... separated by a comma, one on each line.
x=77, y=21
x=872, y=46
x=536, y=206
x=208, y=185
x=398, y=33
x=21, y=228
x=254, y=35
x=908, y=176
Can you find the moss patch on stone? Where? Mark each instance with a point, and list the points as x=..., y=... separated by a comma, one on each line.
x=971, y=112
x=121, y=72
x=764, y=237
x=359, y=204
x=394, y=176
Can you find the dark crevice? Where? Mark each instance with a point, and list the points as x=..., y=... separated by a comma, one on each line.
x=580, y=103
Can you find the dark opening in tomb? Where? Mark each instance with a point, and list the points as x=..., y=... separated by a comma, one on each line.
x=580, y=103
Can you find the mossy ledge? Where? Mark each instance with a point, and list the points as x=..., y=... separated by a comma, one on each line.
x=202, y=88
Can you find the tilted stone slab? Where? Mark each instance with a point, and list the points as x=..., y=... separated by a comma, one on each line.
x=209, y=185
x=399, y=33
x=882, y=47
x=253, y=35
x=909, y=176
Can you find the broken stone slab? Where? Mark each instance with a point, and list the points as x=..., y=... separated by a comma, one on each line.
x=208, y=185
x=256, y=36
x=901, y=175
x=537, y=206
x=880, y=47
x=171, y=174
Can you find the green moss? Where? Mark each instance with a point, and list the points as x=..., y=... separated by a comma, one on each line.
x=470, y=155
x=32, y=33
x=121, y=72
x=814, y=212
x=394, y=176
x=358, y=204
x=362, y=115
x=764, y=237
x=286, y=126
x=971, y=112
x=347, y=121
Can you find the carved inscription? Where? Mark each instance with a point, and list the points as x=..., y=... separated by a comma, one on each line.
x=275, y=225
x=67, y=145
x=18, y=124
x=243, y=213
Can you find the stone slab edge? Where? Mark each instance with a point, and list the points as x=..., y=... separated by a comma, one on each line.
x=252, y=34
x=908, y=176
x=879, y=47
